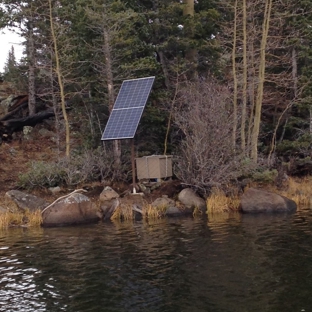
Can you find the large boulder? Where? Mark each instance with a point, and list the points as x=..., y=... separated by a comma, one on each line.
x=74, y=209
x=257, y=201
x=26, y=201
x=191, y=200
x=168, y=205
x=108, y=194
x=173, y=211
x=128, y=207
x=108, y=208
x=132, y=203
x=109, y=202
x=163, y=202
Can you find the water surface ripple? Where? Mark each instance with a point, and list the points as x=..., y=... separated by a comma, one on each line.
x=227, y=263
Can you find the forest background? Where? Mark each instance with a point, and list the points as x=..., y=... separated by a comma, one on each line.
x=231, y=99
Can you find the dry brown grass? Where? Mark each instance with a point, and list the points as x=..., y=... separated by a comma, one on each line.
x=14, y=217
x=152, y=213
x=219, y=202
x=125, y=212
x=197, y=212
x=17, y=218
x=299, y=190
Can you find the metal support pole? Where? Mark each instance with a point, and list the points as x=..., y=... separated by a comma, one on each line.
x=133, y=166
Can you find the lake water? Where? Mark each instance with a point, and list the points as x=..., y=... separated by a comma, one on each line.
x=226, y=263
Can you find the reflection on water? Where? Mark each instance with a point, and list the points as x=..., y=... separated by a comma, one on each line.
x=226, y=263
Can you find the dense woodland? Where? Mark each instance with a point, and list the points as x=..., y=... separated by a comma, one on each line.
x=232, y=95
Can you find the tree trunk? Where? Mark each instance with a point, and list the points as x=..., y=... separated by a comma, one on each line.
x=55, y=104
x=261, y=79
x=8, y=127
x=310, y=119
x=190, y=54
x=234, y=74
x=110, y=88
x=60, y=81
x=295, y=71
x=164, y=68
x=251, y=93
x=31, y=68
x=189, y=7
x=244, y=106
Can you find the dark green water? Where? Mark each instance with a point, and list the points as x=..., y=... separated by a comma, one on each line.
x=228, y=263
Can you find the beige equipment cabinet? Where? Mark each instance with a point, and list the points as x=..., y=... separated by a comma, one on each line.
x=154, y=167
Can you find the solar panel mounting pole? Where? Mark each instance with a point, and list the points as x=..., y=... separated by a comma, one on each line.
x=133, y=166
x=126, y=114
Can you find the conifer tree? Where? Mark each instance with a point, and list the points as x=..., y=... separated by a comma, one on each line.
x=11, y=72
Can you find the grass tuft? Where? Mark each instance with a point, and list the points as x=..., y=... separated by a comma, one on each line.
x=151, y=213
x=299, y=191
x=123, y=212
x=219, y=202
x=17, y=218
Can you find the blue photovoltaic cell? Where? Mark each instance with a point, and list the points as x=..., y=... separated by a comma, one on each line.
x=122, y=123
x=128, y=108
x=134, y=93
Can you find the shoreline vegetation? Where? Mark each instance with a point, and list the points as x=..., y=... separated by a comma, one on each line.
x=297, y=189
x=226, y=119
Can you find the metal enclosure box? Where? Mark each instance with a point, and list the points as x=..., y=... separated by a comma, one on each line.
x=154, y=167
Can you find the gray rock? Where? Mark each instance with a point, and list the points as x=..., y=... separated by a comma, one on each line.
x=143, y=188
x=162, y=202
x=173, y=211
x=26, y=201
x=108, y=207
x=43, y=132
x=55, y=190
x=73, y=209
x=3, y=210
x=191, y=200
x=155, y=186
x=27, y=132
x=5, y=104
x=108, y=194
x=133, y=199
x=257, y=201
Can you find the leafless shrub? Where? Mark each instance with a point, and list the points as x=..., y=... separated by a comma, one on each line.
x=87, y=166
x=92, y=165
x=207, y=156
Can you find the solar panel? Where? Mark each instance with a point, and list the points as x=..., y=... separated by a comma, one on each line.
x=128, y=109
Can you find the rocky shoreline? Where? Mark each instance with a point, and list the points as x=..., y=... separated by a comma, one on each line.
x=78, y=208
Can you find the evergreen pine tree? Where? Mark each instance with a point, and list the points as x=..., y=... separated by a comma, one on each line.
x=11, y=70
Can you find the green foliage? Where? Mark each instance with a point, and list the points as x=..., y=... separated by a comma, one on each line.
x=301, y=147
x=81, y=168
x=41, y=174
x=264, y=176
x=255, y=172
x=11, y=69
x=139, y=29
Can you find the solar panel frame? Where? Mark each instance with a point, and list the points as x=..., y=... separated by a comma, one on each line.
x=128, y=108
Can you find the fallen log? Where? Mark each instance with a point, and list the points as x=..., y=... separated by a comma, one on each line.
x=17, y=101
x=8, y=127
x=14, y=111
